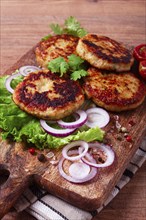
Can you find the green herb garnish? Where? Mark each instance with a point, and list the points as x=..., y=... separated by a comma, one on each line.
x=74, y=28
x=78, y=74
x=57, y=29
x=71, y=26
x=58, y=65
x=73, y=66
x=75, y=62
x=47, y=37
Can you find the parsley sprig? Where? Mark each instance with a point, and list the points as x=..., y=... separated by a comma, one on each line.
x=71, y=26
x=74, y=66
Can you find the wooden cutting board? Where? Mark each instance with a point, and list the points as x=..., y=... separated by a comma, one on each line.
x=23, y=168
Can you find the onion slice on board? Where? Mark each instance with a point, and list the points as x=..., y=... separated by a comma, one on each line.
x=79, y=170
x=110, y=155
x=75, y=124
x=97, y=117
x=8, y=82
x=79, y=178
x=25, y=70
x=82, y=144
x=55, y=132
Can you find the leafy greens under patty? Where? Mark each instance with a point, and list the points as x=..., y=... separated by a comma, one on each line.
x=23, y=127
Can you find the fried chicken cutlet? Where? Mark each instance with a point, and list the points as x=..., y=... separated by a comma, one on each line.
x=114, y=92
x=104, y=53
x=48, y=96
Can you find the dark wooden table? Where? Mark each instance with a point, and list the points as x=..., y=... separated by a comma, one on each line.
x=24, y=23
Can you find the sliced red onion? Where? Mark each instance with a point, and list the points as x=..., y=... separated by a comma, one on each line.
x=79, y=170
x=55, y=132
x=82, y=144
x=76, y=124
x=25, y=70
x=97, y=117
x=8, y=82
x=110, y=155
x=77, y=177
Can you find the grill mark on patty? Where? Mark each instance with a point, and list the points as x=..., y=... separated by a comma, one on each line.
x=58, y=45
x=66, y=89
x=98, y=50
x=112, y=91
x=110, y=96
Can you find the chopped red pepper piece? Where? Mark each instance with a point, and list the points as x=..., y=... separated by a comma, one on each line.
x=140, y=52
x=129, y=138
x=32, y=151
x=142, y=69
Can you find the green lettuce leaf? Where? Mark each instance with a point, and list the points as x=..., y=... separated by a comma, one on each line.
x=23, y=127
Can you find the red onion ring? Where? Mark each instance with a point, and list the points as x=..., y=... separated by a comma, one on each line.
x=8, y=82
x=91, y=175
x=25, y=70
x=82, y=144
x=97, y=117
x=107, y=150
x=55, y=132
x=76, y=124
x=79, y=170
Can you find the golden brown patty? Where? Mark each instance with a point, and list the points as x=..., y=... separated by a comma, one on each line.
x=114, y=92
x=59, y=45
x=104, y=53
x=46, y=95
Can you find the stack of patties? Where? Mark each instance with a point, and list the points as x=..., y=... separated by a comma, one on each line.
x=45, y=94
x=109, y=83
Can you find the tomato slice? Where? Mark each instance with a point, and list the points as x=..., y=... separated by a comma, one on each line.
x=142, y=69
x=140, y=52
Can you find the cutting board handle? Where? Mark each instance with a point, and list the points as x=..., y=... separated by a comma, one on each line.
x=11, y=190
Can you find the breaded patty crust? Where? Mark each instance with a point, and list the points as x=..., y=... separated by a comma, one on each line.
x=58, y=45
x=114, y=92
x=104, y=53
x=47, y=96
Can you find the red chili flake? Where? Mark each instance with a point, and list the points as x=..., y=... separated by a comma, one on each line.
x=131, y=122
x=32, y=151
x=128, y=138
